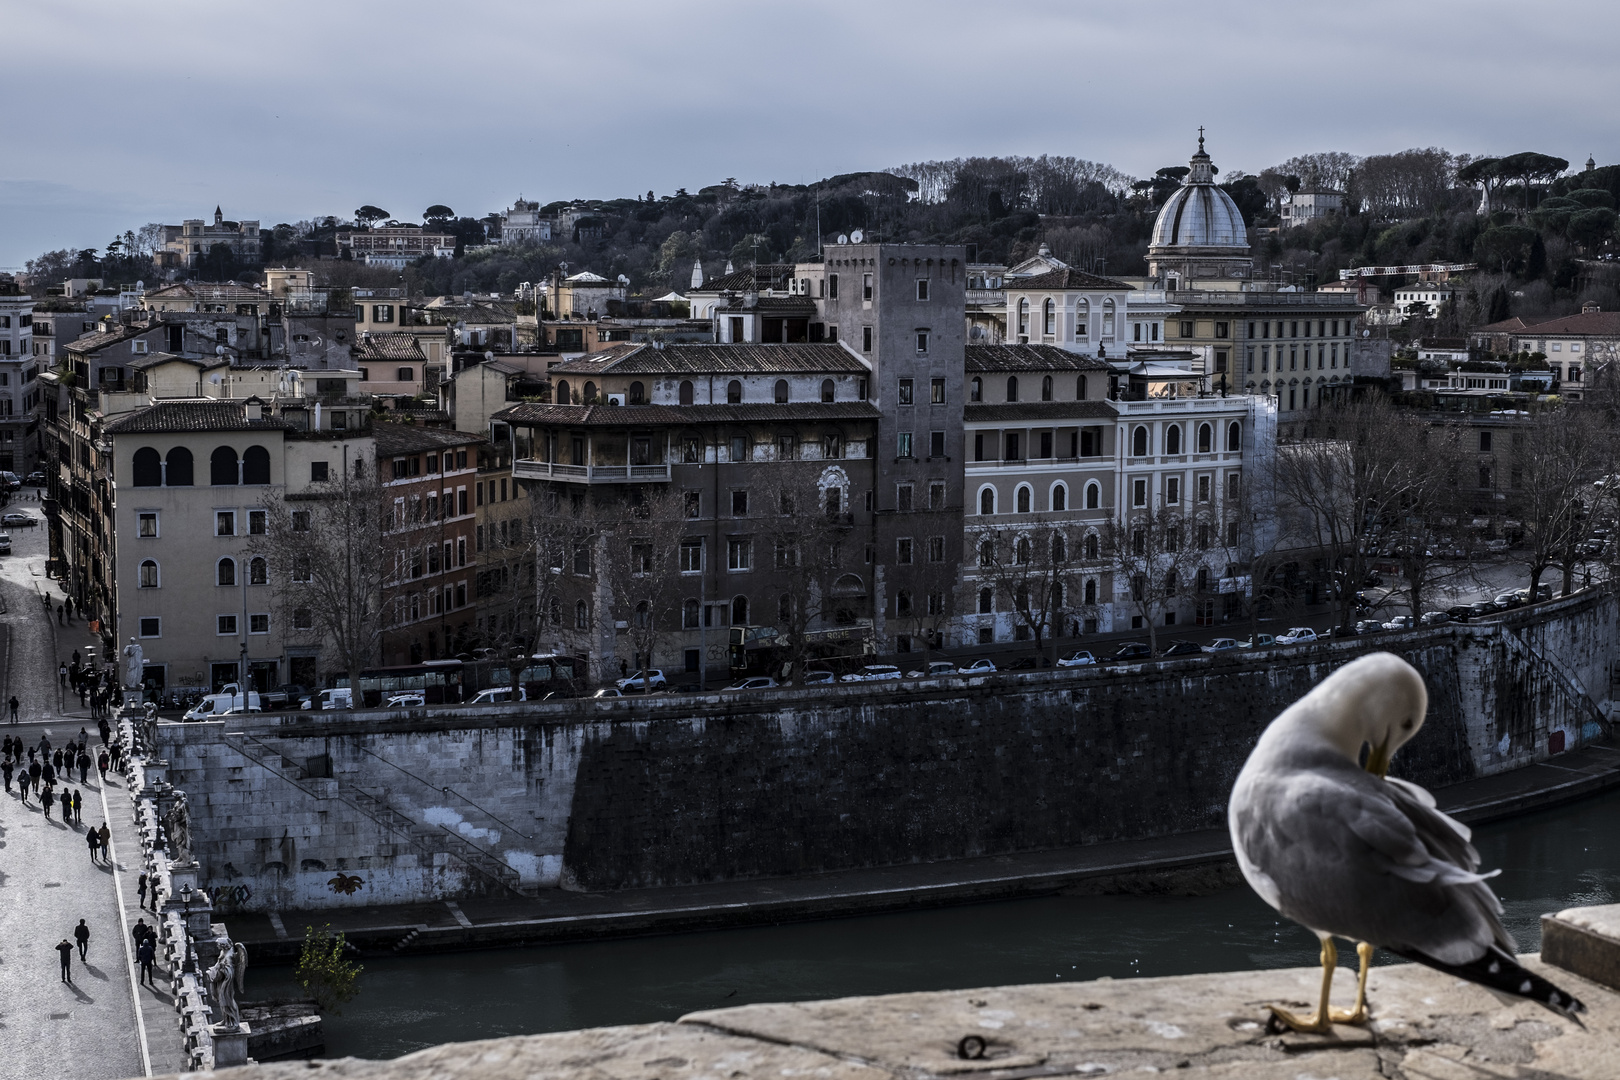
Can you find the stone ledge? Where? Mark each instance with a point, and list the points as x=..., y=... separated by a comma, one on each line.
x=1424, y=1024
x=1585, y=940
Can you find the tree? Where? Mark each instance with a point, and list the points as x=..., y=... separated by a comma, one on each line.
x=1154, y=557
x=369, y=214
x=324, y=970
x=1563, y=449
x=437, y=215
x=639, y=532
x=1528, y=167
x=326, y=548
x=1507, y=247
x=1033, y=569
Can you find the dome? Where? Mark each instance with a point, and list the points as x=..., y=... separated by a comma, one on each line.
x=1199, y=214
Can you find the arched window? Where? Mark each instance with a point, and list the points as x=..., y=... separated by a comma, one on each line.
x=691, y=615
x=1060, y=549
x=147, y=467
x=1012, y=388
x=1092, y=546
x=734, y=392
x=582, y=615
x=686, y=391
x=222, y=467
x=987, y=501
x=643, y=615
x=564, y=395
x=177, y=468
x=1093, y=495
x=1172, y=439
x=1046, y=388
x=826, y=391
x=149, y=574
x=225, y=572
x=1022, y=551
x=1234, y=436
x=638, y=394
x=255, y=465
x=1048, y=317
x=1059, y=594
x=1023, y=499
x=1080, y=388
x=1082, y=313
x=987, y=553
x=1060, y=497
x=1205, y=437
x=1023, y=315
x=590, y=392
x=1139, y=442
x=1170, y=583
x=781, y=392
x=987, y=600
x=784, y=609
x=1091, y=592
x=1108, y=318
x=739, y=611
x=976, y=389
x=258, y=571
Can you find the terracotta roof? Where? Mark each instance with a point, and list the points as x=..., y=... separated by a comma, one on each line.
x=393, y=345
x=1596, y=324
x=1067, y=278
x=1030, y=358
x=152, y=360
x=1040, y=410
x=393, y=439
x=191, y=414
x=787, y=305
x=92, y=342
x=699, y=359
x=633, y=415
x=749, y=279
x=209, y=290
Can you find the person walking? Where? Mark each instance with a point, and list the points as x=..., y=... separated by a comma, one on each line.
x=15, y=705
x=34, y=771
x=84, y=764
x=56, y=760
x=47, y=800
x=81, y=934
x=78, y=801
x=47, y=774
x=66, y=951
x=61, y=676
x=106, y=730
x=146, y=956
x=140, y=889
x=101, y=763
x=5, y=770
x=106, y=839
x=92, y=839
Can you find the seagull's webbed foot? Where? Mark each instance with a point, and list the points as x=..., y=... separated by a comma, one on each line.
x=1320, y=1022
x=1358, y=1015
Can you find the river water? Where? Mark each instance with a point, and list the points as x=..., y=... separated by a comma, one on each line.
x=1550, y=860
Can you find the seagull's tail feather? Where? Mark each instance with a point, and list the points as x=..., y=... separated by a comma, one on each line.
x=1501, y=972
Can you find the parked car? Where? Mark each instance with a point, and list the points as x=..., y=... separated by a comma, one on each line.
x=410, y=699
x=10, y=481
x=1399, y=622
x=1221, y=644
x=1025, y=663
x=1183, y=648
x=1590, y=548
x=873, y=673
x=1460, y=612
x=497, y=694
x=1481, y=609
x=607, y=692
x=1369, y=626
x=34, y=479
x=934, y=670
x=822, y=677
x=216, y=705
x=1077, y=659
x=1507, y=601
x=754, y=682
x=5, y=543
x=1434, y=618
x=1543, y=592
x=977, y=667
x=18, y=518
x=1298, y=635
x=1372, y=580
x=1496, y=546
x=1133, y=650
x=1258, y=641
x=286, y=694
x=642, y=682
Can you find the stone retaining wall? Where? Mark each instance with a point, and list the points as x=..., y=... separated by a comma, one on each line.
x=693, y=788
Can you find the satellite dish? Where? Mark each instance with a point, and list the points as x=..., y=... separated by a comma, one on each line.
x=856, y=237
x=219, y=350
x=842, y=239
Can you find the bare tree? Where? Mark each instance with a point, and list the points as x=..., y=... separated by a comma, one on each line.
x=1565, y=447
x=1034, y=568
x=326, y=547
x=1155, y=558
x=640, y=533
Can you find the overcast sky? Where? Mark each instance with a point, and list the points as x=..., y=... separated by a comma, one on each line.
x=119, y=113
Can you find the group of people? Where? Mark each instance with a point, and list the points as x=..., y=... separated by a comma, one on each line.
x=37, y=769
x=95, y=688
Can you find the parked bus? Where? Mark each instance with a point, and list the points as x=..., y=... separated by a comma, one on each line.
x=438, y=681
x=545, y=675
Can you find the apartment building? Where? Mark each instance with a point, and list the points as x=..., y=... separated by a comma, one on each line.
x=18, y=367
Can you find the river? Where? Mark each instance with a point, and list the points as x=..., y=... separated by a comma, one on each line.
x=1550, y=860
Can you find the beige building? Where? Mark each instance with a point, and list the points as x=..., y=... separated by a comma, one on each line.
x=185, y=244
x=395, y=245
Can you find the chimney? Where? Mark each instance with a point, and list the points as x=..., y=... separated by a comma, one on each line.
x=1591, y=307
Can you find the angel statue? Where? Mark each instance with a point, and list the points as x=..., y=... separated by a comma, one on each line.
x=226, y=979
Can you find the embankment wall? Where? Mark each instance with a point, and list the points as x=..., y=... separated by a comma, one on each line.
x=680, y=789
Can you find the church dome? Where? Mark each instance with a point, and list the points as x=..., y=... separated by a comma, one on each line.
x=1199, y=214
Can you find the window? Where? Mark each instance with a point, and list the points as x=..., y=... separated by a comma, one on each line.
x=976, y=389
x=149, y=575
x=1172, y=439
x=148, y=525
x=832, y=286
x=222, y=467
x=151, y=627
x=382, y=313
x=866, y=287
x=922, y=343
x=936, y=444
x=1023, y=318
x=866, y=339
x=1484, y=442
x=1186, y=329
x=582, y=615
x=1023, y=499
x=739, y=448
x=1093, y=547
x=1172, y=490
x=936, y=495
x=258, y=571
x=922, y=289
x=225, y=572
x=902, y=498
x=1203, y=488
x=987, y=501
x=1138, y=492
x=739, y=611
x=258, y=522
x=780, y=392
x=936, y=549
x=1048, y=317
x=1060, y=497
x=787, y=447
x=1139, y=442
x=987, y=601
x=1012, y=388
x=1234, y=436
x=259, y=623
x=905, y=392
x=300, y=519
x=739, y=503
x=1223, y=329
x=902, y=551
x=147, y=468
x=1232, y=481
x=1093, y=495
x=734, y=392
x=690, y=615
x=826, y=391
x=225, y=523
x=177, y=468
x=739, y=554
x=225, y=624
x=903, y=445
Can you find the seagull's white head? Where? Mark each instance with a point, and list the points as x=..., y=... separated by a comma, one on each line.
x=1377, y=701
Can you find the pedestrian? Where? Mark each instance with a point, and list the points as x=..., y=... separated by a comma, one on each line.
x=106, y=839
x=82, y=691
x=81, y=934
x=101, y=764
x=77, y=802
x=47, y=774
x=84, y=766
x=66, y=951
x=146, y=956
x=92, y=839
x=140, y=888
x=48, y=800
x=34, y=769
x=138, y=931
x=61, y=671
x=60, y=612
x=106, y=730
x=84, y=737
x=5, y=770
x=15, y=705
x=56, y=760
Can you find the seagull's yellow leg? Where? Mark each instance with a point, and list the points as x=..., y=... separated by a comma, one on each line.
x=1359, y=1015
x=1318, y=1024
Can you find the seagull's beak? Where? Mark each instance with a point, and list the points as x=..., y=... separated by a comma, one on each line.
x=1378, y=758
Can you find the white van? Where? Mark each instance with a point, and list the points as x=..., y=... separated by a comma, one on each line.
x=216, y=705
x=340, y=697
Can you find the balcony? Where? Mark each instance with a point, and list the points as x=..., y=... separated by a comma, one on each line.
x=529, y=469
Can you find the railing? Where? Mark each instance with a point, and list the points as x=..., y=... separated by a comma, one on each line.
x=529, y=469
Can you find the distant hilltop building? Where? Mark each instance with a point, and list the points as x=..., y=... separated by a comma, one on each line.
x=187, y=243
x=395, y=245
x=1303, y=207
x=522, y=224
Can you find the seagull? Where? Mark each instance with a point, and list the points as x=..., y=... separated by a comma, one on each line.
x=1346, y=851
